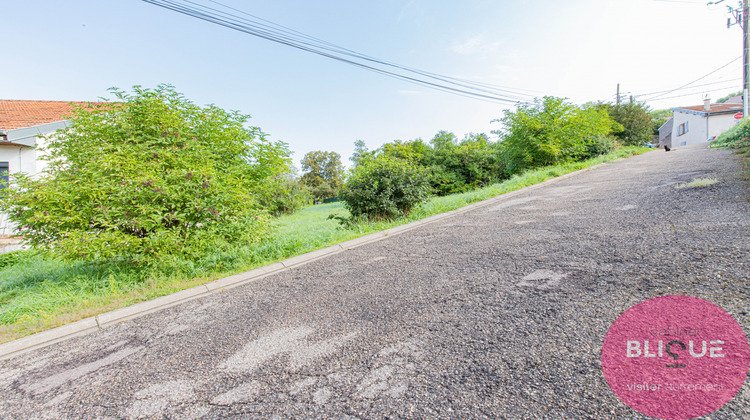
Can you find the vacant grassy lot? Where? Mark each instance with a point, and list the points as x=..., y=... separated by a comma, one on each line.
x=38, y=292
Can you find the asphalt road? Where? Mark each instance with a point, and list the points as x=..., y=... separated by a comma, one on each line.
x=499, y=312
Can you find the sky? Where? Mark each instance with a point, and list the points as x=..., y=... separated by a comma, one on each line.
x=75, y=50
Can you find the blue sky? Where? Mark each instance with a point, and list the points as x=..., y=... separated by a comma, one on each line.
x=580, y=49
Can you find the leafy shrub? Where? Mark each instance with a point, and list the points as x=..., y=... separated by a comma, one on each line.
x=551, y=131
x=9, y=258
x=600, y=146
x=635, y=119
x=454, y=166
x=321, y=190
x=383, y=187
x=290, y=195
x=149, y=176
x=737, y=137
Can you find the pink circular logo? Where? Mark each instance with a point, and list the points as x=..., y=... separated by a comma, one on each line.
x=675, y=357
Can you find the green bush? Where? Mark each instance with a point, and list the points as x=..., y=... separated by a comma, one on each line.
x=551, y=131
x=290, y=195
x=737, y=137
x=636, y=120
x=149, y=176
x=383, y=187
x=454, y=166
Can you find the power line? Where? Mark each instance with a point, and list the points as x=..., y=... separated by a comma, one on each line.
x=277, y=33
x=690, y=87
x=688, y=94
x=698, y=79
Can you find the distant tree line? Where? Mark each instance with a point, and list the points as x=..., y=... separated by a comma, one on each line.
x=389, y=181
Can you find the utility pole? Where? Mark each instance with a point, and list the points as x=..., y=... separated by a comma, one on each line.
x=745, y=50
x=618, y=91
x=741, y=18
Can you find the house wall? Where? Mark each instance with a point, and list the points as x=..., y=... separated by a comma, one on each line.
x=20, y=159
x=25, y=158
x=699, y=129
x=721, y=123
x=696, y=129
x=665, y=133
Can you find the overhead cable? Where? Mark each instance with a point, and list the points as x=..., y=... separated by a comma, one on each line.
x=696, y=80
x=277, y=33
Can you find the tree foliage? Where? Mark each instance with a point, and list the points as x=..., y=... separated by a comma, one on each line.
x=728, y=97
x=146, y=177
x=454, y=166
x=636, y=120
x=658, y=118
x=323, y=173
x=384, y=187
x=288, y=194
x=737, y=138
x=550, y=131
x=360, y=152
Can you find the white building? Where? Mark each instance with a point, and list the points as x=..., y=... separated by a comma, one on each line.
x=698, y=124
x=22, y=127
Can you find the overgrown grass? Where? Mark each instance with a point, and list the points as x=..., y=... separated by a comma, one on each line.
x=736, y=138
x=38, y=292
x=698, y=182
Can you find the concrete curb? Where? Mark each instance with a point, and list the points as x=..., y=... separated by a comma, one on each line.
x=98, y=322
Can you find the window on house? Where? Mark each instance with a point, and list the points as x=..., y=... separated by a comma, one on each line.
x=682, y=128
x=4, y=168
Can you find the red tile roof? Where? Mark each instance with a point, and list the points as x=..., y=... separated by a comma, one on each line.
x=714, y=108
x=20, y=114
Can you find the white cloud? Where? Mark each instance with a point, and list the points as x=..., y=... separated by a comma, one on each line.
x=474, y=45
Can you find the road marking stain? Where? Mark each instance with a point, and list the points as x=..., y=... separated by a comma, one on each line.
x=284, y=341
x=542, y=279
x=394, y=367
x=61, y=378
x=322, y=396
x=240, y=394
x=513, y=202
x=158, y=398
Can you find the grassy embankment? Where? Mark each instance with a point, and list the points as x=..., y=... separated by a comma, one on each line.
x=38, y=292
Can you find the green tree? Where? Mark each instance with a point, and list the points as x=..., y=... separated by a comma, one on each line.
x=658, y=118
x=728, y=97
x=453, y=166
x=323, y=173
x=458, y=167
x=149, y=176
x=443, y=140
x=550, y=131
x=635, y=119
x=414, y=151
x=360, y=152
x=289, y=194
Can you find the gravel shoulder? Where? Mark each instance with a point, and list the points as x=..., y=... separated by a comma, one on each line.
x=497, y=312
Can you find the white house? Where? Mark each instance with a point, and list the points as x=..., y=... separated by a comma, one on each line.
x=22, y=125
x=700, y=123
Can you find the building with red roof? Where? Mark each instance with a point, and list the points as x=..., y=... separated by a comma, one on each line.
x=23, y=125
x=699, y=123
